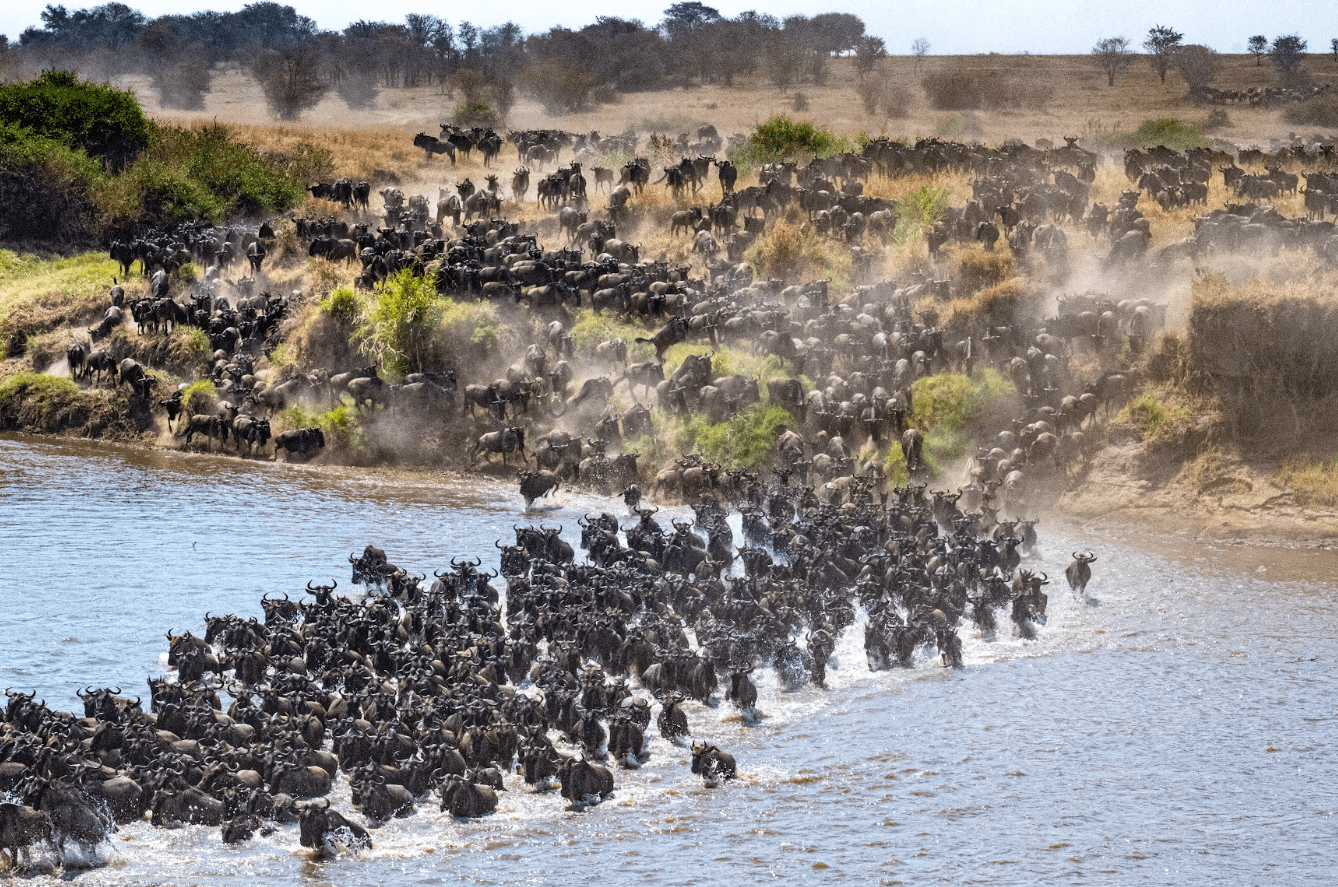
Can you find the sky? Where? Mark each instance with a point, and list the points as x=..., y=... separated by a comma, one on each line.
x=952, y=27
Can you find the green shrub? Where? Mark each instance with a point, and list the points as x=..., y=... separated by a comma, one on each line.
x=947, y=408
x=393, y=328
x=341, y=302
x=203, y=172
x=1322, y=110
x=477, y=322
x=199, y=398
x=100, y=120
x=744, y=441
x=781, y=138
x=341, y=425
x=917, y=212
x=987, y=90
x=1172, y=133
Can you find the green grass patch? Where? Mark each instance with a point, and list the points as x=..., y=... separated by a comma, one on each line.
x=918, y=211
x=946, y=407
x=37, y=402
x=199, y=398
x=188, y=347
x=780, y=139
x=1314, y=478
x=744, y=441
x=1174, y=134
x=341, y=425
x=26, y=277
x=589, y=329
x=1157, y=413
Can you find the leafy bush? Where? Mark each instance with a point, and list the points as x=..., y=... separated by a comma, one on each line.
x=1322, y=110
x=559, y=84
x=199, y=398
x=407, y=327
x=1172, y=133
x=104, y=122
x=476, y=113
x=357, y=89
x=987, y=90
x=290, y=79
x=474, y=322
x=201, y=172
x=793, y=252
x=342, y=426
x=947, y=408
x=744, y=441
x=183, y=84
x=393, y=327
x=918, y=211
x=961, y=125
x=781, y=138
x=1217, y=120
x=341, y=302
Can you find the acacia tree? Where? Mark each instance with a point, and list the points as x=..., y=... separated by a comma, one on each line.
x=1198, y=65
x=290, y=79
x=1288, y=53
x=1333, y=45
x=1161, y=45
x=919, y=48
x=1258, y=45
x=868, y=50
x=1111, y=55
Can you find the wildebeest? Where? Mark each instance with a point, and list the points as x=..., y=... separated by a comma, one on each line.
x=300, y=441
x=432, y=145
x=20, y=828
x=536, y=484
x=673, y=332
x=912, y=447
x=582, y=780
x=325, y=830
x=1079, y=573
x=712, y=764
x=508, y=440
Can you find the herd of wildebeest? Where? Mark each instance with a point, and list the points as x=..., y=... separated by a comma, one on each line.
x=454, y=689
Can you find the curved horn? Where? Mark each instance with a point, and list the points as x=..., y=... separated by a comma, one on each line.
x=1045, y=580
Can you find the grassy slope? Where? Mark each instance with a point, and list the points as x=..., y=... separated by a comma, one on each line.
x=38, y=294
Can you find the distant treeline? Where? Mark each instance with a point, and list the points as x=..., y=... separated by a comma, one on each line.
x=562, y=67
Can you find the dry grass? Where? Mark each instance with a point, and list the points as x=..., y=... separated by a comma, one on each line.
x=375, y=144
x=1312, y=478
x=1080, y=104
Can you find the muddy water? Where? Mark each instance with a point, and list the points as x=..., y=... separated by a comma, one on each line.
x=1178, y=728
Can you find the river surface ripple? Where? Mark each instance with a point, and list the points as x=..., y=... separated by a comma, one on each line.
x=1178, y=728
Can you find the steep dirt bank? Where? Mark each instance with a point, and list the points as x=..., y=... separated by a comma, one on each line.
x=1135, y=494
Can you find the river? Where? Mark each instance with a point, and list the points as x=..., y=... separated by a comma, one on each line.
x=1176, y=728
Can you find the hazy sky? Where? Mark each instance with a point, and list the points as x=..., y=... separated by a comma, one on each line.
x=951, y=26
